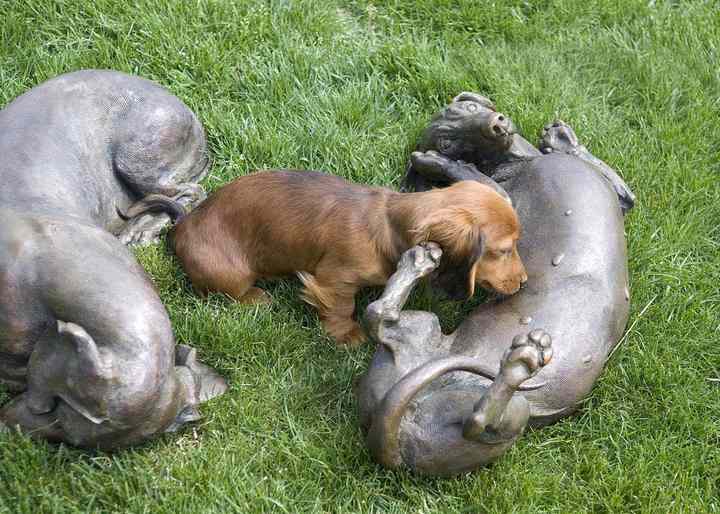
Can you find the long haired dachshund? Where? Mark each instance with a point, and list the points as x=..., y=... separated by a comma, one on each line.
x=339, y=237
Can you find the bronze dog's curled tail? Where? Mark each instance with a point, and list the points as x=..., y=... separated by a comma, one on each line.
x=384, y=434
x=383, y=437
x=155, y=203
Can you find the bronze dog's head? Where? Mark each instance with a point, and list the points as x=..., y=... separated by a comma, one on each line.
x=478, y=230
x=470, y=129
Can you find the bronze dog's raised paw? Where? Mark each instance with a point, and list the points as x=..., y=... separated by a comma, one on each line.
x=527, y=355
x=416, y=263
x=558, y=136
x=422, y=260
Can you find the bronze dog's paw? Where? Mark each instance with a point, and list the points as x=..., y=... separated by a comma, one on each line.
x=191, y=195
x=467, y=96
x=208, y=382
x=527, y=355
x=432, y=165
x=143, y=230
x=421, y=260
x=558, y=136
x=417, y=262
x=146, y=228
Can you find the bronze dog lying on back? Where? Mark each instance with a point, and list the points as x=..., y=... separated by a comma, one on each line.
x=339, y=237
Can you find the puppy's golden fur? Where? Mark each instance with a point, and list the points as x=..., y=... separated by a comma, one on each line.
x=339, y=237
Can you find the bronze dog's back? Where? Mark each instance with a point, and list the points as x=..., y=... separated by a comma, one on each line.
x=336, y=235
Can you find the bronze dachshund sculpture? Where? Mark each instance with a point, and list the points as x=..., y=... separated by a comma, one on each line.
x=445, y=404
x=84, y=338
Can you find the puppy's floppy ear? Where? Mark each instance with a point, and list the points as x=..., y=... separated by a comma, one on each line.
x=474, y=263
x=455, y=229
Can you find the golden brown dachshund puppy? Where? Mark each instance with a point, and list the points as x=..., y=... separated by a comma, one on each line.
x=339, y=237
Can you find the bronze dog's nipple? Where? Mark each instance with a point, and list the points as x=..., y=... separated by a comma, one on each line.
x=568, y=212
x=558, y=259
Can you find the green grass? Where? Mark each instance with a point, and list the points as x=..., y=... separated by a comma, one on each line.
x=347, y=87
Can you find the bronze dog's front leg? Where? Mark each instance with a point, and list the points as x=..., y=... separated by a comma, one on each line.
x=431, y=167
x=416, y=263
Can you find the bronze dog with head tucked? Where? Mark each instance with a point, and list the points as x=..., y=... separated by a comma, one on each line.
x=339, y=237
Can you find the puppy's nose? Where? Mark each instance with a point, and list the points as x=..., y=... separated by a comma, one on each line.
x=498, y=125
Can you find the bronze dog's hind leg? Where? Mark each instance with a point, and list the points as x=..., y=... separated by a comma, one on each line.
x=167, y=161
x=495, y=417
x=559, y=137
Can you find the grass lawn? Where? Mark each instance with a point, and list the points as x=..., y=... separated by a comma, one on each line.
x=347, y=87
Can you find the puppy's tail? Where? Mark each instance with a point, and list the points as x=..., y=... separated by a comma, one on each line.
x=154, y=203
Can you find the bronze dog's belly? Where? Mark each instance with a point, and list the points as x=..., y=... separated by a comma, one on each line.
x=577, y=288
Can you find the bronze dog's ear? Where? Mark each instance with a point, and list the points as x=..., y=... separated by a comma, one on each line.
x=455, y=229
x=466, y=96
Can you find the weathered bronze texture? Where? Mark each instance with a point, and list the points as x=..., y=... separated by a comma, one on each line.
x=84, y=337
x=445, y=404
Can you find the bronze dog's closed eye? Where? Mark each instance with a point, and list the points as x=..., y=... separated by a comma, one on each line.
x=339, y=237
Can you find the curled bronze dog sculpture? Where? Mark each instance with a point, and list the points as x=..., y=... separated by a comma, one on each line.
x=84, y=338
x=437, y=403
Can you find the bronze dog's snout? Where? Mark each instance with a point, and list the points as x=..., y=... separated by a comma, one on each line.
x=498, y=125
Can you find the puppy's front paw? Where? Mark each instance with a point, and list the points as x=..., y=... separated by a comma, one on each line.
x=352, y=339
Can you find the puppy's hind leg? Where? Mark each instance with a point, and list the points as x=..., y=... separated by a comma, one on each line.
x=217, y=270
x=238, y=285
x=335, y=301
